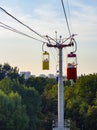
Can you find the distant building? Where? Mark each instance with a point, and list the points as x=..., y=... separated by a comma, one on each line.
x=51, y=76
x=33, y=76
x=26, y=74
x=42, y=75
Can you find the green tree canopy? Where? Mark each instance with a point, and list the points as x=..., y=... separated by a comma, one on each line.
x=12, y=113
x=29, y=97
x=81, y=102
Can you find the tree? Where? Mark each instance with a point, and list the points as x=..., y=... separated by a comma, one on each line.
x=29, y=97
x=81, y=103
x=7, y=71
x=12, y=113
x=49, y=105
x=32, y=100
x=40, y=83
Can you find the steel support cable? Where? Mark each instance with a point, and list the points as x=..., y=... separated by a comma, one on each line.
x=50, y=38
x=50, y=50
x=69, y=14
x=70, y=37
x=73, y=40
x=22, y=23
x=16, y=31
x=66, y=17
x=55, y=59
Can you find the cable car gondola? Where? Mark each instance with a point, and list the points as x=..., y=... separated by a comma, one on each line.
x=45, y=61
x=71, y=66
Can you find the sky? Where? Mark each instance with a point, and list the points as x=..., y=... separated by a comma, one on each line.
x=46, y=17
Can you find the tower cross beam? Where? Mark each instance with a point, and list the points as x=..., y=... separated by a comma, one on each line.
x=60, y=46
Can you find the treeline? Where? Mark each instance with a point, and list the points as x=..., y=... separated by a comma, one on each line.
x=31, y=104
x=24, y=104
x=81, y=103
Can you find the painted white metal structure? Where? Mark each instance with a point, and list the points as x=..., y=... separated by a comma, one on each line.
x=60, y=94
x=59, y=125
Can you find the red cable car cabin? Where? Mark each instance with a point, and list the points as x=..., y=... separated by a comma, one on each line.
x=71, y=66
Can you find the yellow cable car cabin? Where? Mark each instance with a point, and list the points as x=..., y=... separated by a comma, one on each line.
x=45, y=61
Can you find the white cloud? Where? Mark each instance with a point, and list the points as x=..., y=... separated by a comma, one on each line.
x=84, y=20
x=46, y=20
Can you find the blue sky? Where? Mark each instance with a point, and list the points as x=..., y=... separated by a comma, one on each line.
x=46, y=17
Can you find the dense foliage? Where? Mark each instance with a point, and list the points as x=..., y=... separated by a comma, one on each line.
x=31, y=104
x=81, y=102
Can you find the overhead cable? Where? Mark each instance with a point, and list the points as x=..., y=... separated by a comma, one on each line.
x=68, y=6
x=21, y=23
x=66, y=17
x=54, y=55
x=17, y=31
